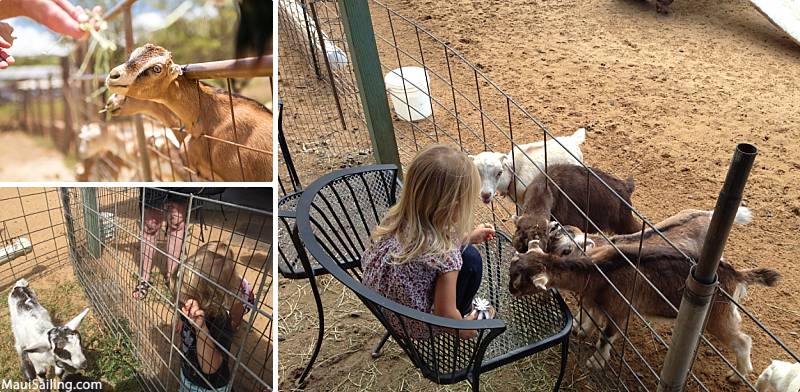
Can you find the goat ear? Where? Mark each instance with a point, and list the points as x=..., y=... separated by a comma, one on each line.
x=540, y=281
x=39, y=347
x=75, y=322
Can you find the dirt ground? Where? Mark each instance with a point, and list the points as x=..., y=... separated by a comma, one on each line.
x=665, y=99
x=26, y=158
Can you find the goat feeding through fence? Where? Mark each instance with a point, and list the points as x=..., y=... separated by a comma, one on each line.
x=207, y=121
x=90, y=247
x=451, y=100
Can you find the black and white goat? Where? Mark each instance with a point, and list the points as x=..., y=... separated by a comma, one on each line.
x=40, y=344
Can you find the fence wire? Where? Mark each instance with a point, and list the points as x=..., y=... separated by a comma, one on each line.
x=471, y=111
x=110, y=241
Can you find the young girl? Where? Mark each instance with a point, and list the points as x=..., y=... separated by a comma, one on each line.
x=205, y=364
x=421, y=255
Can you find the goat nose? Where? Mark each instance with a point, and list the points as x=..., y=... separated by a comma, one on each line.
x=115, y=74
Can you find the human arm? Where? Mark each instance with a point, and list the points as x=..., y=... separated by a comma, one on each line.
x=208, y=356
x=444, y=301
x=484, y=232
x=59, y=16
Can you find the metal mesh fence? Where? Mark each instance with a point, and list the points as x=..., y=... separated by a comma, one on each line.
x=110, y=240
x=460, y=105
x=215, y=253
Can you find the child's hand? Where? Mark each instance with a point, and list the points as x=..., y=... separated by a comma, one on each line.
x=484, y=232
x=192, y=309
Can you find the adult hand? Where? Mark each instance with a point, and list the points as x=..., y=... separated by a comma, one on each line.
x=59, y=16
x=6, y=39
x=484, y=232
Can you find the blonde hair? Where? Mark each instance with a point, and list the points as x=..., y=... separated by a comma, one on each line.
x=434, y=212
x=212, y=262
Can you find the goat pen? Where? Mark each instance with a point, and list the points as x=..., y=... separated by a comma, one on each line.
x=326, y=125
x=93, y=240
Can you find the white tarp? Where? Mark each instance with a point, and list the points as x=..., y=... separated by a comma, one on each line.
x=785, y=14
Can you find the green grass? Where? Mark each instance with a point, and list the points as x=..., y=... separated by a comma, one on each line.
x=109, y=357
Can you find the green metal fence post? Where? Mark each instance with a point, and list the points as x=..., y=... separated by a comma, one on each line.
x=357, y=24
x=91, y=220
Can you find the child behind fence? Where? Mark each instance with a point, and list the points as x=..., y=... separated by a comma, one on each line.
x=206, y=326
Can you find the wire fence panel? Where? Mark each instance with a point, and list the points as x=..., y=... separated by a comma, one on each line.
x=449, y=99
x=204, y=246
x=32, y=234
x=322, y=115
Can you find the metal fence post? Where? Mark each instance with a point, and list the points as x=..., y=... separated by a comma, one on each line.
x=701, y=284
x=141, y=141
x=67, y=109
x=357, y=24
x=91, y=218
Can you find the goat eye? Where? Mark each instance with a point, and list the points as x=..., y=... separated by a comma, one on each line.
x=499, y=173
x=157, y=68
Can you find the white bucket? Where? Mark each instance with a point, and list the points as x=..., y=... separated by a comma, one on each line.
x=412, y=84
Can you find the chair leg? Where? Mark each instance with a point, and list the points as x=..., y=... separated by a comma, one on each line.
x=564, y=357
x=301, y=381
x=476, y=379
x=378, y=350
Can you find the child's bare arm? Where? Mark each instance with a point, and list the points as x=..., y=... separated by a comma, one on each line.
x=209, y=358
x=444, y=300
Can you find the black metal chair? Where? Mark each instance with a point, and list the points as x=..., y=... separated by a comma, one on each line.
x=335, y=217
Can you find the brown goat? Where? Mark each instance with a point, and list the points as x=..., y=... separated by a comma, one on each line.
x=686, y=230
x=542, y=200
x=663, y=266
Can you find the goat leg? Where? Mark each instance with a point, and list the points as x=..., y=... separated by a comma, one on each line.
x=598, y=360
x=662, y=6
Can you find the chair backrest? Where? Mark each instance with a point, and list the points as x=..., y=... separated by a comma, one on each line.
x=290, y=249
x=335, y=217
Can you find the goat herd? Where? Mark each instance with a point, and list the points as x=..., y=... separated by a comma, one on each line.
x=211, y=134
x=558, y=254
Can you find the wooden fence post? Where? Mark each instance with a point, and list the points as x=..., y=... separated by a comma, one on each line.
x=141, y=141
x=51, y=99
x=357, y=24
x=67, y=133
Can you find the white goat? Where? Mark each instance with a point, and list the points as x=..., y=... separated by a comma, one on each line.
x=497, y=171
x=780, y=376
x=39, y=344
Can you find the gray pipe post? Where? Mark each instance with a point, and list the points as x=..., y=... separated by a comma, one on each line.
x=702, y=281
x=357, y=24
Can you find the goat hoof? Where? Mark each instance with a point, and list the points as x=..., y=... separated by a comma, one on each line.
x=733, y=378
x=595, y=364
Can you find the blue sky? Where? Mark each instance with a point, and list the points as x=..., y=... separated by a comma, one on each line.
x=34, y=39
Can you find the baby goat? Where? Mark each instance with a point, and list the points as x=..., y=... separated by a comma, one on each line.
x=779, y=376
x=686, y=229
x=39, y=344
x=542, y=200
x=497, y=170
x=663, y=266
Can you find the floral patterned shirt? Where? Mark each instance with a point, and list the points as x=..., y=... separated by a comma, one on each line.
x=411, y=283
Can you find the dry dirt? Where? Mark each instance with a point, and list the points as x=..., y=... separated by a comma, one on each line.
x=664, y=98
x=26, y=158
